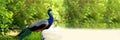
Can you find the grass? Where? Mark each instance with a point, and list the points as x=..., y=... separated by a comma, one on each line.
x=32, y=36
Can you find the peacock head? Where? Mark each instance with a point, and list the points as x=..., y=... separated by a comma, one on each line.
x=49, y=9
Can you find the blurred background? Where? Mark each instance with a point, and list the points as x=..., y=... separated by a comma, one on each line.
x=95, y=14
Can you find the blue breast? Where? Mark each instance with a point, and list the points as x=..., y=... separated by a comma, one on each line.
x=50, y=20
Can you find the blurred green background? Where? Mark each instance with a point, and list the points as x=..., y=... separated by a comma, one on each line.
x=67, y=13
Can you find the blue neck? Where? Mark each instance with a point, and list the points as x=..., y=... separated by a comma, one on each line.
x=50, y=20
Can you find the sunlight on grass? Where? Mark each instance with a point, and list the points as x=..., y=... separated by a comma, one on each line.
x=12, y=33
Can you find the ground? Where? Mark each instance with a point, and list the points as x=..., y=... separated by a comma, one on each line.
x=81, y=34
x=75, y=34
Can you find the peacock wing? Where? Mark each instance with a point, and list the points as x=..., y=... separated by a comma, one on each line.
x=38, y=25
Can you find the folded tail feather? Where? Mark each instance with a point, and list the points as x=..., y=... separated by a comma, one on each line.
x=24, y=33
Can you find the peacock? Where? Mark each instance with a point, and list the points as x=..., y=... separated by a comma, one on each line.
x=37, y=26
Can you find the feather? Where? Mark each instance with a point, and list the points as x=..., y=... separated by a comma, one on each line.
x=38, y=25
x=24, y=33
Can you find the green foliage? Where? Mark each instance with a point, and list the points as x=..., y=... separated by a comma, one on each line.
x=68, y=13
x=5, y=16
x=80, y=13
